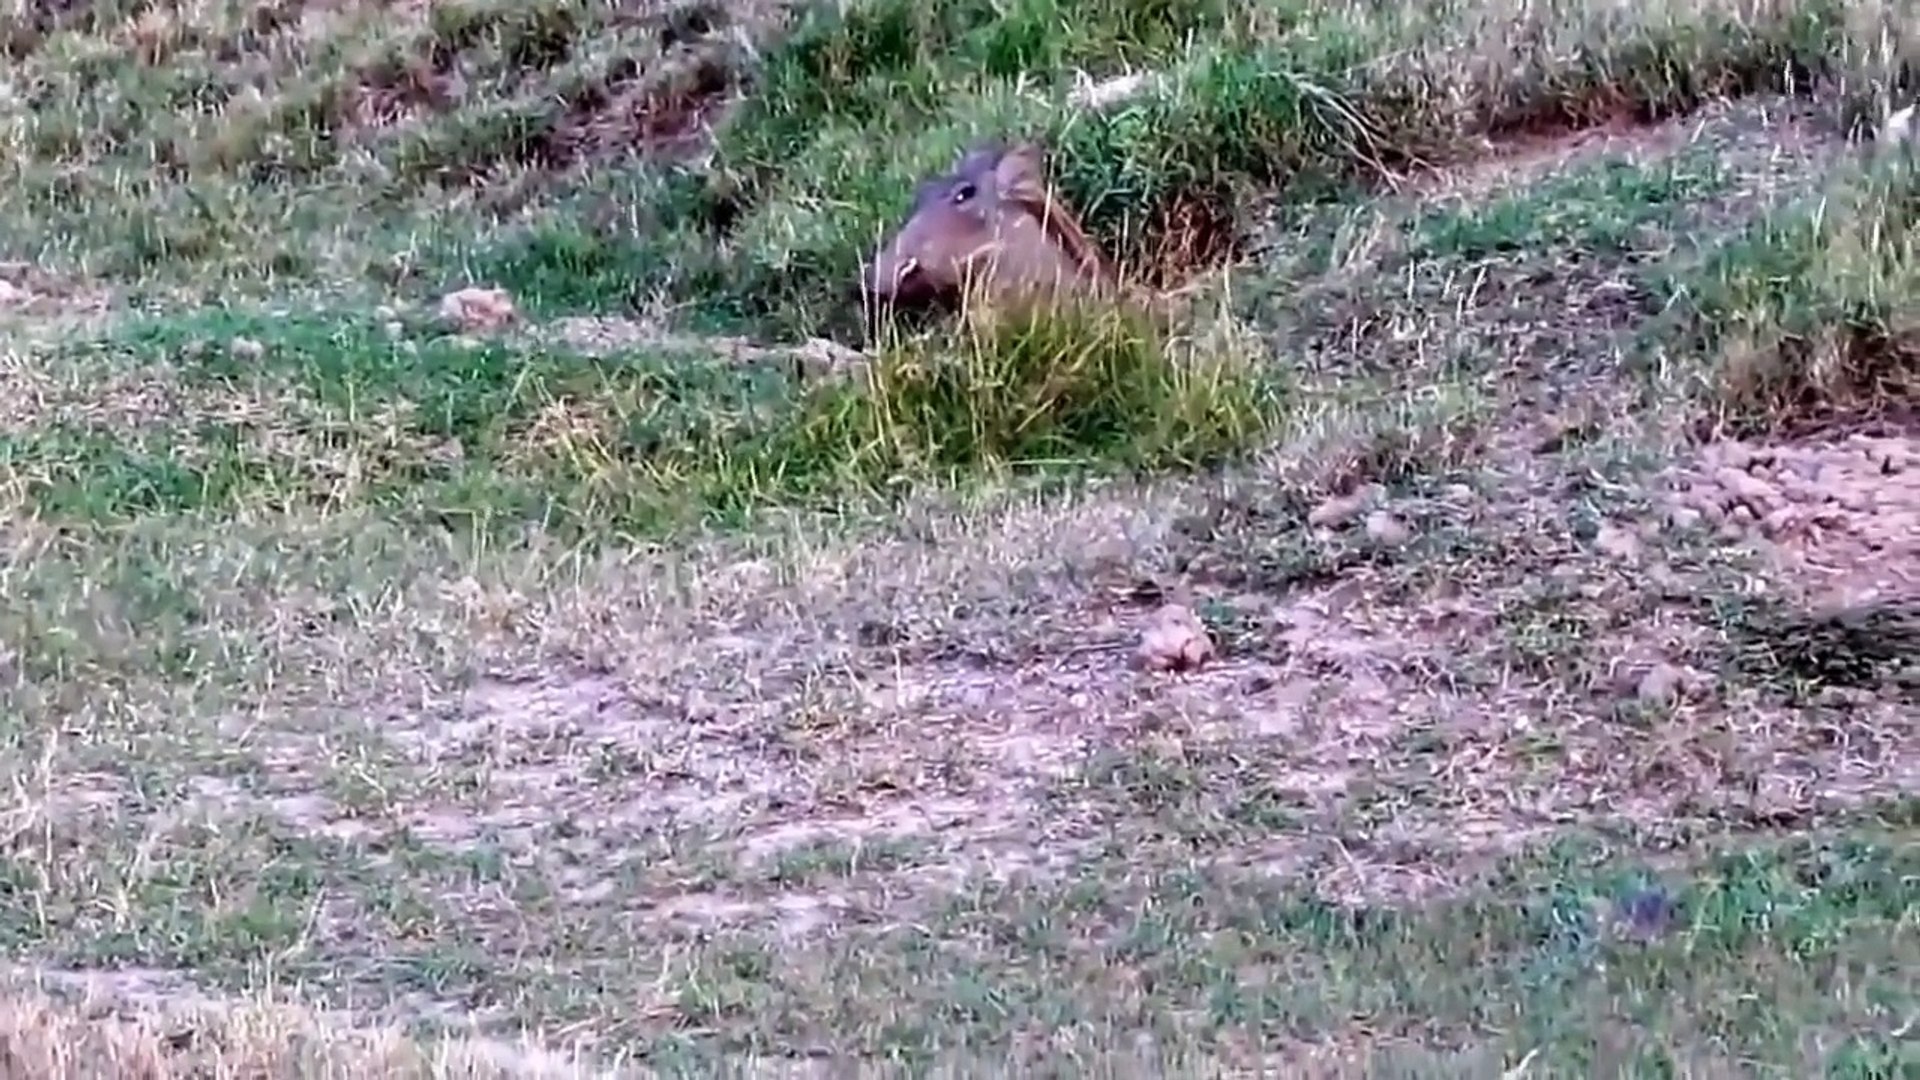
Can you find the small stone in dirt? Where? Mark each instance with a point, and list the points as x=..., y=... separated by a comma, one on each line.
x=1661, y=684
x=1175, y=640
x=1618, y=543
x=244, y=348
x=1340, y=509
x=1897, y=128
x=1782, y=522
x=476, y=310
x=821, y=358
x=11, y=294
x=1090, y=94
x=1384, y=528
x=879, y=633
x=695, y=708
x=1742, y=485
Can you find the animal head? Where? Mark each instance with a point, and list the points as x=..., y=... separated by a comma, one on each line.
x=989, y=225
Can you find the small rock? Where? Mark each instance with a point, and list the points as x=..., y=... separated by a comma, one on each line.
x=243, y=348
x=1175, y=640
x=1618, y=543
x=1782, y=522
x=820, y=358
x=1748, y=488
x=695, y=708
x=1384, y=528
x=1697, y=685
x=1683, y=517
x=1088, y=94
x=393, y=328
x=1897, y=128
x=11, y=294
x=476, y=310
x=1339, y=510
x=1660, y=685
x=1662, y=576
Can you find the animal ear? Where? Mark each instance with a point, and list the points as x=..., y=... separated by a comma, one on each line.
x=977, y=164
x=1021, y=171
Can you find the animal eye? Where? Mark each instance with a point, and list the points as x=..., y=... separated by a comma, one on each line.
x=963, y=191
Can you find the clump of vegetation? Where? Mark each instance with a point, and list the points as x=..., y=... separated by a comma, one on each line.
x=1807, y=313
x=637, y=440
x=1078, y=387
x=1085, y=382
x=1860, y=646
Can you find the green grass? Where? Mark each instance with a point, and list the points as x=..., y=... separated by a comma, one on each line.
x=1609, y=208
x=636, y=690
x=329, y=410
x=354, y=129
x=1803, y=312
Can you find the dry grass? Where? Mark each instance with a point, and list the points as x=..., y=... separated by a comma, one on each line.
x=370, y=692
x=71, y=1036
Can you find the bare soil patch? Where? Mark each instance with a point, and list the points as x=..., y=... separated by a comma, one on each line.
x=1839, y=518
x=890, y=717
x=600, y=334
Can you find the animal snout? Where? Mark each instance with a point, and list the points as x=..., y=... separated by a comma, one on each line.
x=886, y=276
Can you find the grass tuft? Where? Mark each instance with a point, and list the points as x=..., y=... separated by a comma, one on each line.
x=1072, y=389
x=1808, y=316
x=1082, y=383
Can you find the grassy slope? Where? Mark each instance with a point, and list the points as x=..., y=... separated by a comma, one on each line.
x=412, y=677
